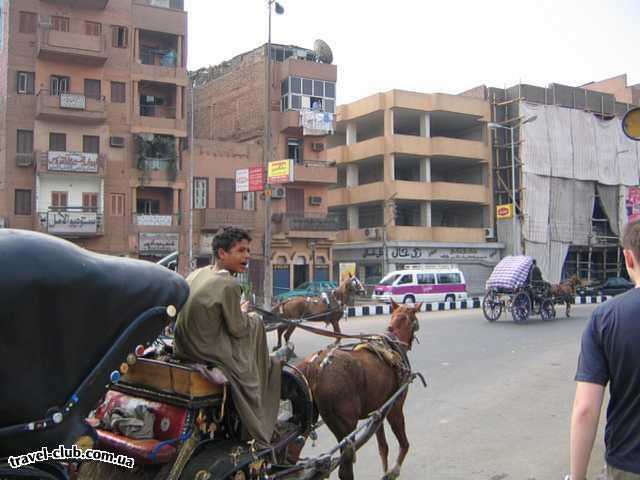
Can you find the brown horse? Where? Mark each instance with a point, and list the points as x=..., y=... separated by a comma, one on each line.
x=328, y=309
x=348, y=385
x=565, y=292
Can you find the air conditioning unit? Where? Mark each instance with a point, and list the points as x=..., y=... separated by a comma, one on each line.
x=117, y=142
x=371, y=233
x=278, y=192
x=489, y=233
x=317, y=147
x=315, y=201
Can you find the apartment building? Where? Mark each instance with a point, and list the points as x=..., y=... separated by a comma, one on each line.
x=229, y=109
x=414, y=184
x=93, y=123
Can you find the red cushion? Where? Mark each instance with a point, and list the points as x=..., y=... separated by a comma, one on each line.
x=140, y=450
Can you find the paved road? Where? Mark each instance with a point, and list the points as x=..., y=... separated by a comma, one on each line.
x=498, y=403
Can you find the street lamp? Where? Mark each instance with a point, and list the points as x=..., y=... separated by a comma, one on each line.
x=493, y=125
x=268, y=273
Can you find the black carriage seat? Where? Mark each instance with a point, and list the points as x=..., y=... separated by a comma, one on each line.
x=64, y=311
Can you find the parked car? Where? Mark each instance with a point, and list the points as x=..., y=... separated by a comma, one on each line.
x=423, y=284
x=611, y=286
x=308, y=289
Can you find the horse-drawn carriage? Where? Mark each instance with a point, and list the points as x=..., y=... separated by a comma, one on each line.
x=511, y=288
x=83, y=364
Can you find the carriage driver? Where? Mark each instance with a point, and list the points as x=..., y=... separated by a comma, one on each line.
x=214, y=328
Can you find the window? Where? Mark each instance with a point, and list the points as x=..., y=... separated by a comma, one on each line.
x=225, y=193
x=119, y=36
x=295, y=201
x=25, y=141
x=28, y=22
x=23, y=202
x=296, y=85
x=426, y=279
x=318, y=88
x=284, y=86
x=117, y=205
x=448, y=278
x=302, y=93
x=92, y=88
x=26, y=83
x=59, y=84
x=58, y=142
x=200, y=192
x=90, y=202
x=93, y=28
x=294, y=149
x=307, y=86
x=90, y=144
x=405, y=279
x=60, y=24
x=59, y=200
x=118, y=92
x=249, y=201
x=148, y=206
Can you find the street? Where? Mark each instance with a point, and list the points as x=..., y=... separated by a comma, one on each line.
x=498, y=401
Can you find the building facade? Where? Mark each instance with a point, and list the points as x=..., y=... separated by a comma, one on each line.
x=94, y=122
x=414, y=185
x=229, y=108
x=576, y=174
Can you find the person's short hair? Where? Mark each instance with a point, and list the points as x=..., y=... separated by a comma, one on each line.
x=227, y=237
x=631, y=238
x=534, y=261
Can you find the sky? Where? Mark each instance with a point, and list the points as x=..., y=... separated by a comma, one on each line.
x=433, y=46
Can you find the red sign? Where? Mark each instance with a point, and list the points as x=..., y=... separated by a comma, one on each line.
x=256, y=179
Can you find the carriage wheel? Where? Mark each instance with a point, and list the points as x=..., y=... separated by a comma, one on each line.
x=491, y=306
x=521, y=307
x=548, y=310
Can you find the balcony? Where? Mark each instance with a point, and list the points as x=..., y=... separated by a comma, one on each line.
x=418, y=233
x=160, y=65
x=70, y=163
x=25, y=159
x=215, y=218
x=172, y=4
x=315, y=172
x=70, y=107
x=71, y=47
x=159, y=119
x=70, y=222
x=93, y=4
x=305, y=225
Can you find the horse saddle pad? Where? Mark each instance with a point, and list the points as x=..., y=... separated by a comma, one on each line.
x=181, y=379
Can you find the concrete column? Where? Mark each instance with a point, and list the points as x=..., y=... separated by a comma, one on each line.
x=388, y=122
x=425, y=125
x=389, y=167
x=134, y=200
x=352, y=175
x=136, y=46
x=136, y=99
x=425, y=214
x=425, y=169
x=179, y=114
x=179, y=62
x=387, y=215
x=352, y=217
x=352, y=133
x=176, y=201
x=101, y=199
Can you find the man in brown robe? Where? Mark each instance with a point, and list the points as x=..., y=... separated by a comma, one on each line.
x=214, y=328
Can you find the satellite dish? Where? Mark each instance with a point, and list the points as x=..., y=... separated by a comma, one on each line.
x=323, y=51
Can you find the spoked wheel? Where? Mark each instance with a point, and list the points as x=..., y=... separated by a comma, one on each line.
x=547, y=310
x=521, y=307
x=491, y=306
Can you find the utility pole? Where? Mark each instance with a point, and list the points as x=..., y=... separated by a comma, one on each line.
x=190, y=186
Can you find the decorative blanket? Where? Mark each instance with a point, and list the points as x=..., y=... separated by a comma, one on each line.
x=512, y=272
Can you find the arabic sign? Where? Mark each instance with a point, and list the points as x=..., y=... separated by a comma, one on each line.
x=158, y=242
x=280, y=171
x=429, y=253
x=504, y=212
x=72, y=162
x=72, y=222
x=633, y=204
x=249, y=179
x=316, y=122
x=154, y=220
x=69, y=100
x=242, y=180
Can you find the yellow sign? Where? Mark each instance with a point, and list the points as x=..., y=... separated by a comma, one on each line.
x=631, y=124
x=280, y=171
x=346, y=270
x=504, y=212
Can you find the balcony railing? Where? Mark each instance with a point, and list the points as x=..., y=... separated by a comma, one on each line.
x=173, y=4
x=74, y=47
x=71, y=222
x=157, y=111
x=308, y=222
x=25, y=159
x=158, y=57
x=70, y=106
x=214, y=218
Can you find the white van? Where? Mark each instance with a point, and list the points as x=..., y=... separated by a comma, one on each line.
x=422, y=283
